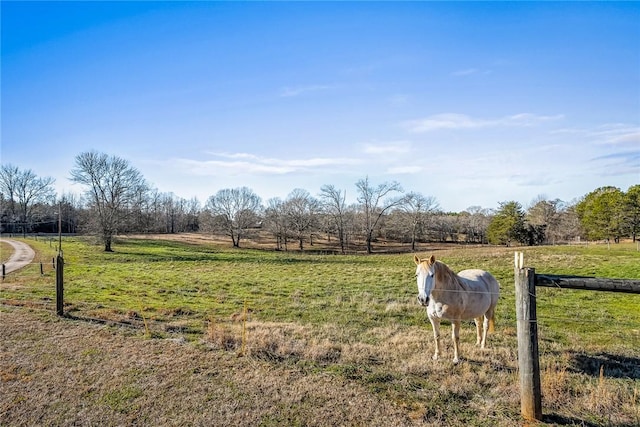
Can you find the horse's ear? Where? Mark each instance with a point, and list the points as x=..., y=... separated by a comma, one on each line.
x=416, y=259
x=432, y=259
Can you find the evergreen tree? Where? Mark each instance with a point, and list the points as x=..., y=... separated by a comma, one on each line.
x=508, y=225
x=601, y=213
x=632, y=210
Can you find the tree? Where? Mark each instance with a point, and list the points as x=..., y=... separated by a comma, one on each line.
x=601, y=213
x=418, y=207
x=569, y=227
x=507, y=225
x=276, y=222
x=70, y=206
x=113, y=186
x=8, y=182
x=302, y=214
x=234, y=211
x=375, y=202
x=632, y=210
x=475, y=221
x=24, y=191
x=334, y=205
x=191, y=222
x=553, y=220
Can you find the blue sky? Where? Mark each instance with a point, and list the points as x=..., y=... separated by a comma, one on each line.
x=471, y=103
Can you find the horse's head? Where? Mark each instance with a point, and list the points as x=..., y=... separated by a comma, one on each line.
x=425, y=277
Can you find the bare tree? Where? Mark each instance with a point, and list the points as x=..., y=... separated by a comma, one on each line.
x=9, y=175
x=234, y=211
x=375, y=202
x=25, y=190
x=113, y=187
x=569, y=227
x=173, y=212
x=70, y=206
x=276, y=222
x=302, y=212
x=191, y=222
x=418, y=207
x=542, y=217
x=475, y=224
x=334, y=204
x=446, y=226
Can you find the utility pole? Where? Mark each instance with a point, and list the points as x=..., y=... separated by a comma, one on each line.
x=60, y=268
x=60, y=227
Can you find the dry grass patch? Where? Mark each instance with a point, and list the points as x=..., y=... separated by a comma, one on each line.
x=61, y=372
x=333, y=340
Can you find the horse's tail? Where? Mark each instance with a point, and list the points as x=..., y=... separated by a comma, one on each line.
x=492, y=326
x=494, y=297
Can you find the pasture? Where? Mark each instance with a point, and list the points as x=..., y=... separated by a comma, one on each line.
x=351, y=321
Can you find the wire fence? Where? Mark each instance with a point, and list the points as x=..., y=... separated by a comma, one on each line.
x=324, y=299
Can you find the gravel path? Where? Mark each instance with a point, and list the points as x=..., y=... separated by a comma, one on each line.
x=22, y=255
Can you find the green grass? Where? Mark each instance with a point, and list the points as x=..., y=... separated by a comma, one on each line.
x=165, y=281
x=356, y=317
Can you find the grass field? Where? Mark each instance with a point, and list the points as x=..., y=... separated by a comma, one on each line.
x=355, y=318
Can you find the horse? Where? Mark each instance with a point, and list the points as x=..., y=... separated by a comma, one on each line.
x=470, y=294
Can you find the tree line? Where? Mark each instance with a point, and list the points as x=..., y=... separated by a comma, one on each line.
x=117, y=199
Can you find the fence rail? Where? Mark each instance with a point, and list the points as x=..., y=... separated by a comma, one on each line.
x=630, y=286
x=526, y=281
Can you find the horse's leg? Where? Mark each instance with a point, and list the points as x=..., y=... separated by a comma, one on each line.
x=478, y=322
x=455, y=335
x=488, y=318
x=435, y=324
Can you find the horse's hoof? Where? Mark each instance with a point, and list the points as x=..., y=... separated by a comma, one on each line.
x=434, y=357
x=456, y=361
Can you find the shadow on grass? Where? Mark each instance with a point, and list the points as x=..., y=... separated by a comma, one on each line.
x=560, y=420
x=106, y=322
x=612, y=365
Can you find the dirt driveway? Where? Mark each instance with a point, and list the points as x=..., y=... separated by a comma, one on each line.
x=22, y=255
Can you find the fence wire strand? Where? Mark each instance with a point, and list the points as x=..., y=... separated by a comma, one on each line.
x=338, y=294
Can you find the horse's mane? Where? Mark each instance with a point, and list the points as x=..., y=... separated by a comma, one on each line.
x=446, y=275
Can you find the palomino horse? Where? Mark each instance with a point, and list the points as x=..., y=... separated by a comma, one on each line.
x=470, y=294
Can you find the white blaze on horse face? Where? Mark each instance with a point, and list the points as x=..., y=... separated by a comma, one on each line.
x=424, y=278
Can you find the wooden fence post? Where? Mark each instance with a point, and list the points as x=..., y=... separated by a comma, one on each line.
x=60, y=286
x=528, y=358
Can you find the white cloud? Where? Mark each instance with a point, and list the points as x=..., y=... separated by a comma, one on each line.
x=444, y=121
x=470, y=72
x=608, y=134
x=466, y=72
x=394, y=147
x=246, y=163
x=405, y=170
x=620, y=163
x=628, y=138
x=288, y=92
x=463, y=121
x=528, y=119
x=617, y=134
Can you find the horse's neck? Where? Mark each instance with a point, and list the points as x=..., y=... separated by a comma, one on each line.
x=451, y=281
